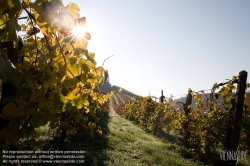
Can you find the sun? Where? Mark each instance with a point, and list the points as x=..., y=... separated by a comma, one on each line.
x=79, y=31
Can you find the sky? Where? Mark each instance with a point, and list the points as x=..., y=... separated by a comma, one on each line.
x=168, y=45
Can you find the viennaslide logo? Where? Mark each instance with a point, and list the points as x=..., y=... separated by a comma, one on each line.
x=237, y=155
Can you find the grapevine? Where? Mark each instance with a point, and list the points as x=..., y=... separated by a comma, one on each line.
x=207, y=121
x=56, y=78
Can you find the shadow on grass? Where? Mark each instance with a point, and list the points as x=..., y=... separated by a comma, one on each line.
x=166, y=137
x=95, y=147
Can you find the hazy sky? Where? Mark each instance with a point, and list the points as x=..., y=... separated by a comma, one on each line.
x=169, y=45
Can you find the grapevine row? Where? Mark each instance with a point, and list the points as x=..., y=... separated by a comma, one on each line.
x=205, y=134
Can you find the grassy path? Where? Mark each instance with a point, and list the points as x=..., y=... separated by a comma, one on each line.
x=128, y=145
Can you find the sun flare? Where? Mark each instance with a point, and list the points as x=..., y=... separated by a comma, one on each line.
x=79, y=31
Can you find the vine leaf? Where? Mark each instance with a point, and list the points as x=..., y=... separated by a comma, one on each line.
x=16, y=109
x=73, y=9
x=74, y=69
x=91, y=57
x=8, y=72
x=56, y=78
x=9, y=21
x=3, y=20
x=79, y=101
x=10, y=135
x=73, y=93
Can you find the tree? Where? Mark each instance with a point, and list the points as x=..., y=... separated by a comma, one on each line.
x=50, y=78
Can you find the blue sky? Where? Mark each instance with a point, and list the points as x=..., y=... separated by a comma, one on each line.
x=169, y=45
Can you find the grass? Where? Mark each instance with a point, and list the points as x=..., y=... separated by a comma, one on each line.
x=129, y=145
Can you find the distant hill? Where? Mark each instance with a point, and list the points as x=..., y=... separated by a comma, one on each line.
x=115, y=89
x=107, y=87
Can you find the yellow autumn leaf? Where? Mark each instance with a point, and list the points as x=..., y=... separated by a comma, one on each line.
x=80, y=100
x=73, y=9
x=120, y=89
x=99, y=132
x=73, y=69
x=72, y=94
x=101, y=100
x=58, y=59
x=203, y=144
x=234, y=78
x=87, y=110
x=80, y=43
x=99, y=70
x=91, y=125
x=195, y=97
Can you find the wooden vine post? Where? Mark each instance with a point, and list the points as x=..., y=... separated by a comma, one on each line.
x=187, y=110
x=162, y=97
x=233, y=134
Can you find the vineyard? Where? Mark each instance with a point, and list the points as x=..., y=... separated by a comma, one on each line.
x=119, y=100
x=51, y=99
x=203, y=131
